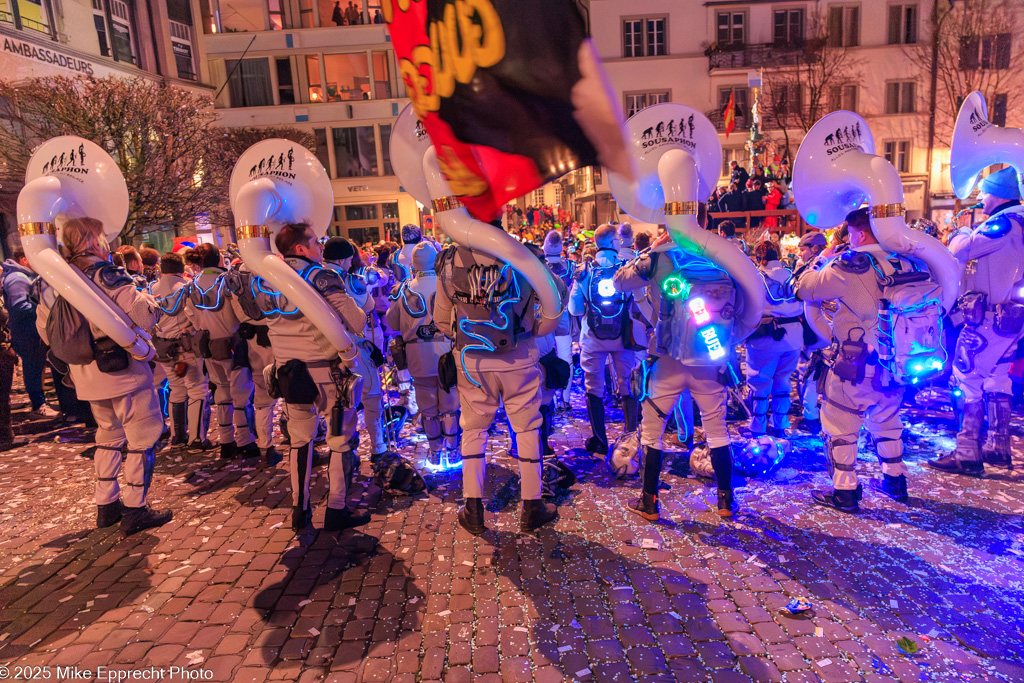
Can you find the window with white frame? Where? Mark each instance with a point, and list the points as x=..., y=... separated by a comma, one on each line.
x=902, y=24
x=900, y=97
x=986, y=52
x=737, y=154
x=844, y=25
x=635, y=101
x=732, y=28
x=644, y=37
x=897, y=153
x=121, y=43
x=843, y=97
x=789, y=26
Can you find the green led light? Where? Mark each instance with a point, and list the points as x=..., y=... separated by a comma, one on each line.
x=675, y=287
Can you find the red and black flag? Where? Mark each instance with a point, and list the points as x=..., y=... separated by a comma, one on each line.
x=511, y=93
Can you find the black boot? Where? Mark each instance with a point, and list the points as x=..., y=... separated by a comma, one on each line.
x=598, y=443
x=198, y=446
x=894, y=487
x=536, y=513
x=545, y=430
x=339, y=520
x=134, y=520
x=109, y=514
x=631, y=413
x=650, y=467
x=301, y=518
x=249, y=450
x=471, y=516
x=950, y=464
x=228, y=451
x=178, y=422
x=966, y=458
x=271, y=456
x=646, y=506
x=721, y=462
x=996, y=449
x=839, y=499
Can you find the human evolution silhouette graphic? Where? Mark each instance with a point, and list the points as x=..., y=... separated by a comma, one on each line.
x=685, y=129
x=274, y=163
x=844, y=135
x=66, y=159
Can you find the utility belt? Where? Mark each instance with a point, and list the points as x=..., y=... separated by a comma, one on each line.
x=221, y=348
x=850, y=361
x=774, y=327
x=261, y=333
x=293, y=382
x=1007, y=319
x=168, y=349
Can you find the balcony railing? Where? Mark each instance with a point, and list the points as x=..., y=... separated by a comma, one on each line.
x=716, y=117
x=748, y=56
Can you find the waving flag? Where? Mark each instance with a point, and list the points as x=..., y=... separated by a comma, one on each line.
x=729, y=115
x=511, y=93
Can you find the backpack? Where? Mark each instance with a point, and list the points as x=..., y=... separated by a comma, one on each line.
x=69, y=334
x=696, y=320
x=909, y=321
x=607, y=307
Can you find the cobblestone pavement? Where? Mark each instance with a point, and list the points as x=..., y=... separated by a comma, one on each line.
x=229, y=590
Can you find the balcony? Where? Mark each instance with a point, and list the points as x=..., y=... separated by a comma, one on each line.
x=756, y=56
x=715, y=116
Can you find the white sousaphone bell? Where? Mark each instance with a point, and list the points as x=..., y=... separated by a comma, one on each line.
x=679, y=159
x=978, y=144
x=69, y=177
x=836, y=171
x=415, y=162
x=273, y=183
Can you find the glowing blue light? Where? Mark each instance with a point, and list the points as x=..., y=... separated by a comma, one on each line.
x=449, y=461
x=606, y=288
x=958, y=393
x=715, y=348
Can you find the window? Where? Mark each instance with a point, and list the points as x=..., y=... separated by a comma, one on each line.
x=385, y=148
x=787, y=99
x=899, y=98
x=285, y=85
x=361, y=212
x=276, y=15
x=644, y=37
x=383, y=85
x=739, y=155
x=120, y=41
x=731, y=28
x=243, y=15
x=183, y=60
x=306, y=19
x=33, y=15
x=249, y=82
x=740, y=105
x=635, y=101
x=986, y=52
x=998, y=112
x=341, y=12
x=902, y=24
x=348, y=77
x=321, y=148
x=355, y=151
x=897, y=153
x=101, y=32
x=843, y=97
x=789, y=26
x=316, y=91
x=843, y=26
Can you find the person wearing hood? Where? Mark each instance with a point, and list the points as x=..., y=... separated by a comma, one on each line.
x=606, y=328
x=209, y=310
x=118, y=386
x=411, y=314
x=993, y=257
x=774, y=348
x=568, y=327
x=18, y=281
x=186, y=375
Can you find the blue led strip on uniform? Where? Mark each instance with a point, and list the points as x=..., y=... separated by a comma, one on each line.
x=219, y=284
x=486, y=344
x=173, y=310
x=404, y=292
x=771, y=298
x=257, y=282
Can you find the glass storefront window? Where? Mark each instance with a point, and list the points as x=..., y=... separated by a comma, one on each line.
x=385, y=152
x=242, y=15
x=316, y=93
x=383, y=87
x=348, y=77
x=361, y=212
x=355, y=151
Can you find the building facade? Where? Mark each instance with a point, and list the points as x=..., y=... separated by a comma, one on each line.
x=326, y=66
x=701, y=53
